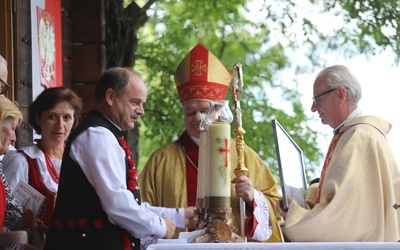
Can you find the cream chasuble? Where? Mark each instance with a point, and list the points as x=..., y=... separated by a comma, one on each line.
x=360, y=190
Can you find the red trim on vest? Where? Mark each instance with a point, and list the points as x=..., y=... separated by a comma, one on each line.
x=36, y=181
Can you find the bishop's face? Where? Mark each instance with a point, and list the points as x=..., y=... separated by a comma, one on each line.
x=191, y=112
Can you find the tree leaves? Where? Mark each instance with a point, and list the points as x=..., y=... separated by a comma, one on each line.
x=263, y=36
x=174, y=29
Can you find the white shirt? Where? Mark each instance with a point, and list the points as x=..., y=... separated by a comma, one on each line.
x=16, y=168
x=102, y=160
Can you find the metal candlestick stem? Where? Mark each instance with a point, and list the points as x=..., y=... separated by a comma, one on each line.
x=240, y=170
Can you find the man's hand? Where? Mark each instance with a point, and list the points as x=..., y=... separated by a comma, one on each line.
x=280, y=210
x=244, y=188
x=170, y=229
x=191, y=217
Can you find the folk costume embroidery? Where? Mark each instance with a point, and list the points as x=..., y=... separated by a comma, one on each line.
x=35, y=179
x=132, y=173
x=131, y=183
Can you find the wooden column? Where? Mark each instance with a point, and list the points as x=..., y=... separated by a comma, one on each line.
x=88, y=59
x=23, y=67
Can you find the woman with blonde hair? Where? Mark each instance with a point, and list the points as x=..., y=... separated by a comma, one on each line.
x=10, y=208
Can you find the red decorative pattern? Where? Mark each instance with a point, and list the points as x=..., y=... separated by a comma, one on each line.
x=98, y=223
x=82, y=223
x=132, y=183
x=58, y=224
x=71, y=223
x=201, y=76
x=132, y=173
x=332, y=146
x=225, y=151
x=198, y=91
x=127, y=241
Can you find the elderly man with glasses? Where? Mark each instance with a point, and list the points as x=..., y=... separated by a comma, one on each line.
x=358, y=196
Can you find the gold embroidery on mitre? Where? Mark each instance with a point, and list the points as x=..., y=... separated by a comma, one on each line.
x=202, y=92
x=198, y=93
x=207, y=77
x=211, y=96
x=198, y=68
x=217, y=91
x=190, y=89
x=205, y=88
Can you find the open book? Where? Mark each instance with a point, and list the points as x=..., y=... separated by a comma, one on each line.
x=32, y=201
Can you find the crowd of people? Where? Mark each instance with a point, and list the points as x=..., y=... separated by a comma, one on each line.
x=95, y=198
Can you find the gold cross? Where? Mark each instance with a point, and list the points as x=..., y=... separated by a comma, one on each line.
x=198, y=67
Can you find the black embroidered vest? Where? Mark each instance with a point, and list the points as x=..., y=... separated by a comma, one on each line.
x=79, y=221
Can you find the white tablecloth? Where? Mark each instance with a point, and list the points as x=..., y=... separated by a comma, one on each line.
x=165, y=245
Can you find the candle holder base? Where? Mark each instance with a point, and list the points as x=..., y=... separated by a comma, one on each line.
x=218, y=228
x=201, y=222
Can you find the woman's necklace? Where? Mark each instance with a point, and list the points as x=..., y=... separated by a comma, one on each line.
x=187, y=157
x=49, y=164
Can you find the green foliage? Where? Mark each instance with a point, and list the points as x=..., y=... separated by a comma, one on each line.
x=362, y=26
x=260, y=42
x=173, y=29
x=377, y=23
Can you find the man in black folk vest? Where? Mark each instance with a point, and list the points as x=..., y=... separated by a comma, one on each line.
x=98, y=202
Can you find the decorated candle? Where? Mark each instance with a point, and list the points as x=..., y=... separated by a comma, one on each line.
x=217, y=156
x=218, y=159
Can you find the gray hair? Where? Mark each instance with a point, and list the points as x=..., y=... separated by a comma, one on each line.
x=339, y=75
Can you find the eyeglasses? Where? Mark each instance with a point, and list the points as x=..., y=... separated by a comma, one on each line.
x=4, y=87
x=316, y=98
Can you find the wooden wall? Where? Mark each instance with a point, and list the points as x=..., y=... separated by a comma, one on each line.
x=88, y=59
x=23, y=67
x=6, y=41
x=83, y=52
